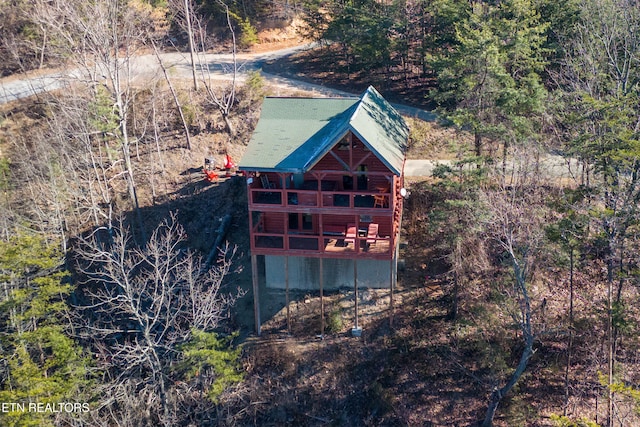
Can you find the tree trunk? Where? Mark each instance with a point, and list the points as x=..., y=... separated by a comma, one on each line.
x=44, y=46
x=477, y=142
x=527, y=352
x=228, y=124
x=187, y=17
x=129, y=175
x=570, y=346
x=163, y=392
x=175, y=95
x=505, y=150
x=156, y=136
x=610, y=354
x=498, y=394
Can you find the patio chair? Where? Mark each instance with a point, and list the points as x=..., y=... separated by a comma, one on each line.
x=372, y=234
x=381, y=200
x=350, y=236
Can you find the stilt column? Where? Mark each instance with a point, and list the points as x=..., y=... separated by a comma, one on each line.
x=256, y=292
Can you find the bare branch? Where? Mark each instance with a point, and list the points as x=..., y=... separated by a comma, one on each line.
x=145, y=302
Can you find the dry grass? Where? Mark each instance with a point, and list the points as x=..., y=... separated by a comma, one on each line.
x=429, y=140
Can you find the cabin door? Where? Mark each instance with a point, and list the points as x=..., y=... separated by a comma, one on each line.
x=302, y=222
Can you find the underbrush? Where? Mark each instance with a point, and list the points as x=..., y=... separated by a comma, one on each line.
x=451, y=339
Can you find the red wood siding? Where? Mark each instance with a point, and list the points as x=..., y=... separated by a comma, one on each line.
x=353, y=158
x=329, y=163
x=337, y=220
x=274, y=222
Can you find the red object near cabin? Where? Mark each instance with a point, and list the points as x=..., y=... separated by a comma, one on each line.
x=229, y=163
x=211, y=175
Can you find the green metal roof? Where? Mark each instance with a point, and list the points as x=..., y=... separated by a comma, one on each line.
x=294, y=133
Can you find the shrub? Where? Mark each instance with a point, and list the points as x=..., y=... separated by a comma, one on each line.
x=335, y=322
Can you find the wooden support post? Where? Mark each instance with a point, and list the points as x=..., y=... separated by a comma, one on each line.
x=394, y=266
x=355, y=291
x=321, y=300
x=256, y=296
x=391, y=286
x=286, y=284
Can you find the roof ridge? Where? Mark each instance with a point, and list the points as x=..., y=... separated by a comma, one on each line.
x=313, y=97
x=361, y=102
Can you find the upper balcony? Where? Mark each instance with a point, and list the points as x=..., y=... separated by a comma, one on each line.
x=328, y=196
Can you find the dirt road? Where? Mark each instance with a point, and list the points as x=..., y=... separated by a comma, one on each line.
x=218, y=67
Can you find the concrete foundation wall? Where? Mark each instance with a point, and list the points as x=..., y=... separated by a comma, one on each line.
x=304, y=273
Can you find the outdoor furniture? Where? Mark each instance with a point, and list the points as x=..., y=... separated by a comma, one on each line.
x=264, y=179
x=381, y=200
x=372, y=234
x=352, y=232
x=334, y=230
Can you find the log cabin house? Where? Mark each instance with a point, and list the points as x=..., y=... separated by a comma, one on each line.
x=324, y=179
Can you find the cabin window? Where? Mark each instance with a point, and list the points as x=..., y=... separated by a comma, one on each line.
x=347, y=182
x=307, y=222
x=298, y=221
x=366, y=218
x=363, y=179
x=293, y=221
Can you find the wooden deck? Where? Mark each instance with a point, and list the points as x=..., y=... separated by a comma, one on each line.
x=336, y=245
x=328, y=214
x=315, y=245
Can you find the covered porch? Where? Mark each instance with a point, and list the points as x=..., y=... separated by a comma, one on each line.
x=362, y=236
x=340, y=190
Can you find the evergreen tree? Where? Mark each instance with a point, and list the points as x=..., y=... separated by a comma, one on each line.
x=207, y=351
x=43, y=363
x=490, y=81
x=362, y=29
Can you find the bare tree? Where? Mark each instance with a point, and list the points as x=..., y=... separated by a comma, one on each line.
x=145, y=302
x=222, y=99
x=174, y=94
x=66, y=179
x=225, y=100
x=184, y=13
x=515, y=224
x=89, y=166
x=101, y=39
x=91, y=176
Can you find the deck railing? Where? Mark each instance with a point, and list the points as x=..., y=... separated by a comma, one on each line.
x=320, y=199
x=314, y=243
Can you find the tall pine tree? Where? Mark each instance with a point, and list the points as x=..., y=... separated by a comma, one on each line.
x=43, y=364
x=489, y=82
